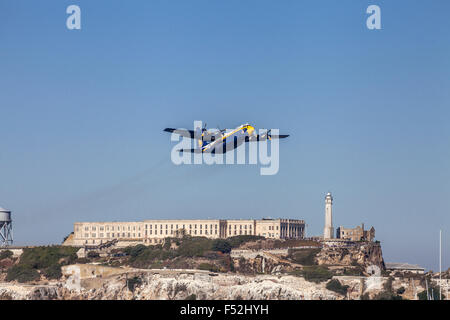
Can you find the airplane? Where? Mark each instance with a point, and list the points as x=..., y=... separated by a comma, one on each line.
x=221, y=141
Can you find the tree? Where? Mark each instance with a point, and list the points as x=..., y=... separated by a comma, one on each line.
x=221, y=245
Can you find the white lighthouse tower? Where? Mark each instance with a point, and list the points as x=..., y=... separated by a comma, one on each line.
x=328, y=231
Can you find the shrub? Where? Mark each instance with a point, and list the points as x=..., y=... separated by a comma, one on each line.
x=6, y=254
x=358, y=271
x=133, y=283
x=194, y=247
x=22, y=273
x=208, y=266
x=46, y=259
x=401, y=290
x=336, y=286
x=82, y=260
x=316, y=274
x=141, y=256
x=386, y=295
x=191, y=297
x=221, y=245
x=365, y=296
x=304, y=256
x=236, y=241
x=93, y=255
x=53, y=272
x=433, y=292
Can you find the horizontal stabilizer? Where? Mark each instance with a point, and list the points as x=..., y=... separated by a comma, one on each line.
x=182, y=132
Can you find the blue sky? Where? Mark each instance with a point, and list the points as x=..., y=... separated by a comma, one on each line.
x=82, y=114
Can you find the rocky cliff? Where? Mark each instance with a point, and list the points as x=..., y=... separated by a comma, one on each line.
x=168, y=284
x=362, y=254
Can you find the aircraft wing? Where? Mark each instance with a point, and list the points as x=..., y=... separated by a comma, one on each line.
x=190, y=150
x=262, y=137
x=182, y=132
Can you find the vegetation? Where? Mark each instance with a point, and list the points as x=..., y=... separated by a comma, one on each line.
x=236, y=241
x=401, y=290
x=22, y=273
x=365, y=296
x=191, y=297
x=221, y=245
x=433, y=292
x=336, y=286
x=313, y=273
x=385, y=295
x=357, y=271
x=208, y=266
x=133, y=283
x=304, y=256
x=170, y=255
x=47, y=260
x=6, y=254
x=92, y=255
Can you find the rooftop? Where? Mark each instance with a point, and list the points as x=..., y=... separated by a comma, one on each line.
x=401, y=265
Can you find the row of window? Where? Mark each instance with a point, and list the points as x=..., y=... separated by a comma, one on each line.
x=240, y=226
x=113, y=235
x=150, y=232
x=149, y=226
x=240, y=232
x=110, y=228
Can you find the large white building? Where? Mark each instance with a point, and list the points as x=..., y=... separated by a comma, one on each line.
x=154, y=231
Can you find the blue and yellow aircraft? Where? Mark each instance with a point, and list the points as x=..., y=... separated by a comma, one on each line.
x=221, y=141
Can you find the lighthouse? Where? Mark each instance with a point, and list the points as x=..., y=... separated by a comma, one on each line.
x=328, y=231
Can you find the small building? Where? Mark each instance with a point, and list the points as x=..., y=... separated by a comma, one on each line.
x=404, y=267
x=356, y=234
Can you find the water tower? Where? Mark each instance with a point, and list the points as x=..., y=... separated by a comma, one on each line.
x=6, y=237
